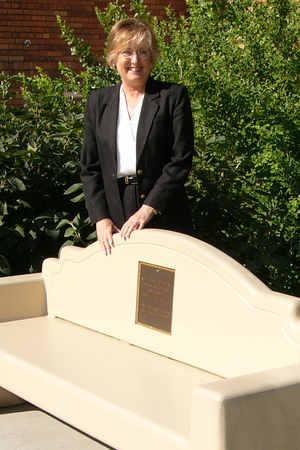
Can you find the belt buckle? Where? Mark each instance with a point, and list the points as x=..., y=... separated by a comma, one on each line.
x=130, y=179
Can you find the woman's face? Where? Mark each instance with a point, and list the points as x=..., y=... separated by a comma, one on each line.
x=134, y=65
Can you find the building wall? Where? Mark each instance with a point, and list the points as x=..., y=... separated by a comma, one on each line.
x=30, y=35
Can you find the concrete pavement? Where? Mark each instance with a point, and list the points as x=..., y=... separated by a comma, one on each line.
x=25, y=427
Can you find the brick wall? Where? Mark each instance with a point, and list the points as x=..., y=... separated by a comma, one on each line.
x=30, y=35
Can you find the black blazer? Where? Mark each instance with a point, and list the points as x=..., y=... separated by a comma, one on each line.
x=164, y=155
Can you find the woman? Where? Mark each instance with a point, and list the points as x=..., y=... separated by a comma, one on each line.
x=138, y=143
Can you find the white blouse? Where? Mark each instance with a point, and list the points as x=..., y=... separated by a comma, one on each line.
x=126, y=136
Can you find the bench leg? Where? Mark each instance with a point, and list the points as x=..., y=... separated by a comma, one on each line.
x=9, y=399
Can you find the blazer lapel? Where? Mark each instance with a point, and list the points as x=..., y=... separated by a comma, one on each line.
x=111, y=119
x=148, y=112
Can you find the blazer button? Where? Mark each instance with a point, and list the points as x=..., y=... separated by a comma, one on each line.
x=140, y=172
x=143, y=196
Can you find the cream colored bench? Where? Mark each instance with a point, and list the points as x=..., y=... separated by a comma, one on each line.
x=224, y=376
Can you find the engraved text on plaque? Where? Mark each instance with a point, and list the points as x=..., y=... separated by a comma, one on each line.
x=155, y=297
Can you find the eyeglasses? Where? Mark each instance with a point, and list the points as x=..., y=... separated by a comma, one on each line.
x=141, y=54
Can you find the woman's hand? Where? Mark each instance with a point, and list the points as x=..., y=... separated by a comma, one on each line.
x=137, y=221
x=105, y=229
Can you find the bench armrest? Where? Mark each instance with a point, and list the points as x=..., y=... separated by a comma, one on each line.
x=22, y=297
x=260, y=411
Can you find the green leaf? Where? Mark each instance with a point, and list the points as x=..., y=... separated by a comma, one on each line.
x=78, y=198
x=69, y=232
x=54, y=234
x=74, y=188
x=16, y=183
x=19, y=230
x=4, y=265
x=62, y=223
x=92, y=236
x=214, y=139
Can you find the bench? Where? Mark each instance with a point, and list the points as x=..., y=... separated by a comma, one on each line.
x=167, y=344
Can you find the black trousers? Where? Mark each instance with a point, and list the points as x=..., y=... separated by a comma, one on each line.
x=129, y=196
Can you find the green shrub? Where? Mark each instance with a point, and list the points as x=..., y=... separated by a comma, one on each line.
x=39, y=148
x=240, y=62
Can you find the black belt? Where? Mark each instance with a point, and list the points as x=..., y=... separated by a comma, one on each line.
x=129, y=179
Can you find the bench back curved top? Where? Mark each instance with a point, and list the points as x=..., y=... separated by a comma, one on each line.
x=223, y=319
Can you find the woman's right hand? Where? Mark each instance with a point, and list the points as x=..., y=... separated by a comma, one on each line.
x=105, y=229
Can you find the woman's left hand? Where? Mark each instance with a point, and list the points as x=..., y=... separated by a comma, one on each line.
x=137, y=221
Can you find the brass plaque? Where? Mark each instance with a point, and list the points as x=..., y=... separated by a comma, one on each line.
x=155, y=297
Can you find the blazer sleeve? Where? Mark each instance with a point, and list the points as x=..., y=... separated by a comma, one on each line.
x=170, y=183
x=91, y=174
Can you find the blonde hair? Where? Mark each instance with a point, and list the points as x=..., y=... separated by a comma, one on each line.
x=127, y=32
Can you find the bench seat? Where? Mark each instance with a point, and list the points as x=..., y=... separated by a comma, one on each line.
x=98, y=383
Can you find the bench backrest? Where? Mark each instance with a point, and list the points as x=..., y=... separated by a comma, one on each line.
x=223, y=319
